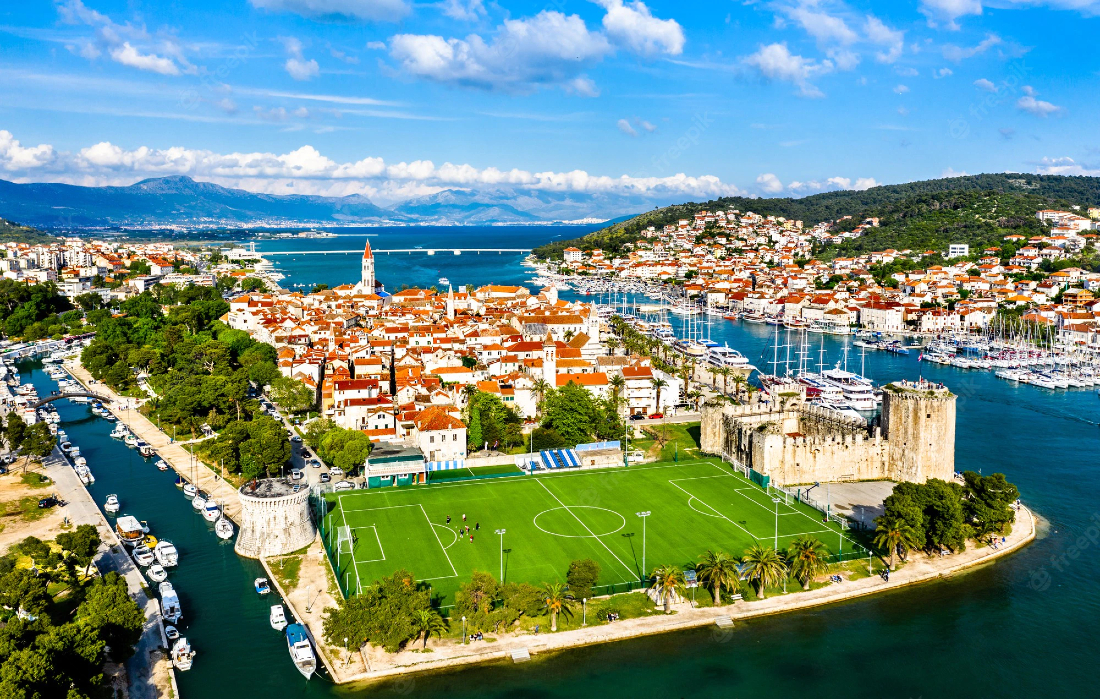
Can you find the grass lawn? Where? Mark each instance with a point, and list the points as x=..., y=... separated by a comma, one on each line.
x=554, y=518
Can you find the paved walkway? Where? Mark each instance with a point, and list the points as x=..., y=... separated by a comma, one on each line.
x=225, y=494
x=919, y=569
x=150, y=675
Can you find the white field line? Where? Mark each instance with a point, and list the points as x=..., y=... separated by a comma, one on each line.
x=432, y=527
x=704, y=502
x=629, y=569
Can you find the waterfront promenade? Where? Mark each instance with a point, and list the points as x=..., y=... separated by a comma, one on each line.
x=181, y=461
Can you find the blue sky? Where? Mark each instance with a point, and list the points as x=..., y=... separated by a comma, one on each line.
x=665, y=100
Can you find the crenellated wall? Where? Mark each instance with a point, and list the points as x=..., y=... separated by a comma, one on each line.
x=796, y=443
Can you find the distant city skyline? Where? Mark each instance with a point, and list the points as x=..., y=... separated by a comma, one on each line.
x=655, y=100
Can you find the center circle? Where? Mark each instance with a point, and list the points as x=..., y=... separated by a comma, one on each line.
x=593, y=521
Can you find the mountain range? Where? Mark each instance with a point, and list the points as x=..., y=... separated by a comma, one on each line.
x=182, y=201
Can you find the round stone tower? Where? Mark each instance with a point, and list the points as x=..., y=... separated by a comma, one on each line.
x=919, y=423
x=274, y=518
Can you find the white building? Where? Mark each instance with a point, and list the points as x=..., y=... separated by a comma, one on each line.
x=958, y=250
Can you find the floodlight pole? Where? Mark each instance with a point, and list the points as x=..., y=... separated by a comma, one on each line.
x=463, y=630
x=776, y=501
x=501, y=532
x=643, y=515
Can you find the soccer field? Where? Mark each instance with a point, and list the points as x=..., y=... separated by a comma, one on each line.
x=552, y=519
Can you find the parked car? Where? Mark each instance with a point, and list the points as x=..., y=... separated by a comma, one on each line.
x=336, y=471
x=325, y=478
x=314, y=463
x=295, y=438
x=297, y=474
x=656, y=416
x=637, y=416
x=344, y=485
x=46, y=502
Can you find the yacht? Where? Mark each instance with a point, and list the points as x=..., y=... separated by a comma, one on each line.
x=145, y=450
x=143, y=556
x=120, y=431
x=111, y=506
x=182, y=655
x=443, y=281
x=223, y=528
x=157, y=573
x=85, y=475
x=169, y=603
x=277, y=617
x=858, y=391
x=66, y=447
x=162, y=465
x=166, y=553
x=211, y=512
x=189, y=489
x=131, y=440
x=301, y=652
x=727, y=357
x=129, y=529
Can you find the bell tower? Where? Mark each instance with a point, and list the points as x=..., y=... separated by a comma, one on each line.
x=366, y=284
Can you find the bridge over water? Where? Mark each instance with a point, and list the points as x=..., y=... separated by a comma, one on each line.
x=59, y=396
x=403, y=251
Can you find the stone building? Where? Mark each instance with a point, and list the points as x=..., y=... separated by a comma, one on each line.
x=275, y=518
x=796, y=443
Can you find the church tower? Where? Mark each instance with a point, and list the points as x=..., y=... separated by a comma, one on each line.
x=550, y=361
x=366, y=284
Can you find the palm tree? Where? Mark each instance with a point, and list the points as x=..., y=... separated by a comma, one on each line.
x=668, y=581
x=658, y=384
x=556, y=600
x=806, y=557
x=687, y=371
x=612, y=345
x=428, y=623
x=617, y=383
x=568, y=335
x=540, y=388
x=892, y=534
x=725, y=372
x=764, y=566
x=713, y=371
x=718, y=569
x=739, y=382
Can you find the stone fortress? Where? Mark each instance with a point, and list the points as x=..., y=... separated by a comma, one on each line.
x=794, y=443
x=275, y=518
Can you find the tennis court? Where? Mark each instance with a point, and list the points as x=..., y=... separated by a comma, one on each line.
x=552, y=519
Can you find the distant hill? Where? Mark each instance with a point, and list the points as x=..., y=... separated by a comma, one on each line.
x=181, y=201
x=918, y=215
x=18, y=233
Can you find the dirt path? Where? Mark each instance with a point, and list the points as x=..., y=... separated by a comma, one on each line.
x=13, y=526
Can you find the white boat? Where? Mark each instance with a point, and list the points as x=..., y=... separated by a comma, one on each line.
x=726, y=357
x=182, y=655
x=211, y=512
x=223, y=528
x=277, y=617
x=143, y=556
x=66, y=447
x=190, y=490
x=198, y=502
x=80, y=461
x=74, y=452
x=443, y=281
x=157, y=573
x=301, y=652
x=111, y=506
x=120, y=431
x=169, y=603
x=162, y=464
x=85, y=475
x=166, y=553
x=171, y=632
x=129, y=529
x=131, y=440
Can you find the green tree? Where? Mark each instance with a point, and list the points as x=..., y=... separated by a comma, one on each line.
x=107, y=607
x=658, y=384
x=763, y=566
x=473, y=431
x=582, y=575
x=668, y=582
x=718, y=569
x=385, y=614
x=988, y=502
x=556, y=600
x=807, y=559
x=82, y=543
x=428, y=623
x=292, y=395
x=571, y=412
x=893, y=535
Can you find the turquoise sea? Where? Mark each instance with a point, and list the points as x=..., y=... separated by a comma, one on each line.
x=1020, y=627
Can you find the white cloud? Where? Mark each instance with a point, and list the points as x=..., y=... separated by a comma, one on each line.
x=893, y=39
x=949, y=10
x=307, y=171
x=957, y=54
x=943, y=73
x=826, y=28
x=769, y=183
x=1040, y=108
x=361, y=10
x=901, y=89
x=624, y=126
x=14, y=156
x=907, y=72
x=125, y=44
x=952, y=172
x=633, y=26
x=376, y=45
x=832, y=184
x=1056, y=166
x=985, y=85
x=297, y=66
x=649, y=127
x=468, y=11
x=776, y=62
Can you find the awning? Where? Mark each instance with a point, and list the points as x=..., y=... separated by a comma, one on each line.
x=452, y=465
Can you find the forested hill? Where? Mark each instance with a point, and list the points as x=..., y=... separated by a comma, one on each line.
x=913, y=215
x=14, y=232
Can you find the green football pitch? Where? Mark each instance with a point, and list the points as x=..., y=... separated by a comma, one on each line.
x=551, y=519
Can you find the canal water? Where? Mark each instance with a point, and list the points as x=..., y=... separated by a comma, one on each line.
x=1021, y=627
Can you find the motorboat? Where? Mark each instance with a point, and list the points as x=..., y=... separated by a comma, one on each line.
x=182, y=655
x=145, y=450
x=166, y=553
x=111, y=506
x=80, y=461
x=131, y=440
x=169, y=603
x=277, y=617
x=66, y=447
x=120, y=431
x=190, y=490
x=223, y=528
x=143, y=556
x=199, y=501
x=129, y=530
x=162, y=465
x=157, y=573
x=261, y=585
x=301, y=652
x=170, y=632
x=211, y=512
x=85, y=475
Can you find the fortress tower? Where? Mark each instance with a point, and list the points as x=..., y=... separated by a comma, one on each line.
x=274, y=519
x=919, y=422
